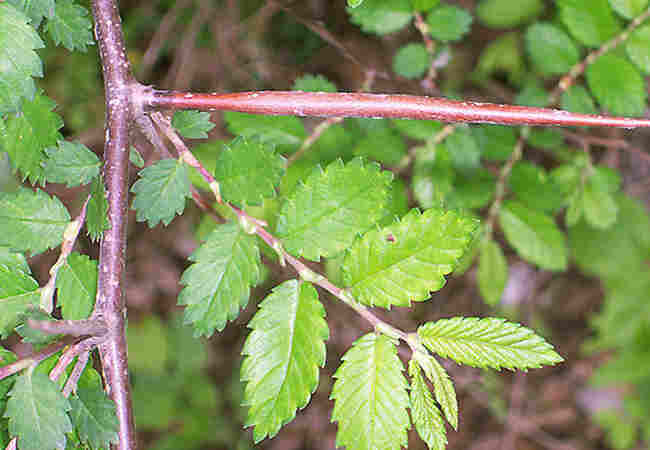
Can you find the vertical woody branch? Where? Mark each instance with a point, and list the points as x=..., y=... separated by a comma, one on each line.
x=110, y=303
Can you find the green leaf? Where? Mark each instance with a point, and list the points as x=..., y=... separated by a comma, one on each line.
x=32, y=335
x=382, y=16
x=354, y=3
x=282, y=356
x=286, y=132
x=532, y=94
x=638, y=48
x=503, y=55
x=20, y=62
x=77, y=287
x=442, y=386
x=31, y=221
x=550, y=49
x=496, y=142
x=411, y=61
x=417, y=129
x=463, y=149
x=492, y=274
x=248, y=171
x=385, y=146
x=136, y=158
x=592, y=22
x=426, y=415
x=218, y=284
x=629, y=8
x=599, y=206
x=148, y=344
x=36, y=10
x=14, y=261
x=94, y=417
x=534, y=235
x=534, y=187
x=192, y=124
x=578, y=100
x=28, y=134
x=18, y=293
x=70, y=26
x=448, y=23
x=617, y=85
x=323, y=215
x=506, y=14
x=424, y=5
x=313, y=83
x=487, y=342
x=370, y=396
x=37, y=413
x=97, y=212
x=406, y=261
x=161, y=191
x=72, y=163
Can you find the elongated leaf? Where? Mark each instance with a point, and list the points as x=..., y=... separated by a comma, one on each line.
x=442, y=386
x=70, y=26
x=370, y=396
x=18, y=292
x=488, y=342
x=322, y=216
x=192, y=124
x=534, y=235
x=492, y=272
x=248, y=171
x=72, y=163
x=97, y=213
x=36, y=10
x=20, y=62
x=218, y=284
x=505, y=14
x=28, y=134
x=94, y=417
x=161, y=191
x=77, y=286
x=551, y=49
x=406, y=261
x=426, y=415
x=282, y=356
x=592, y=22
x=31, y=221
x=37, y=413
x=629, y=8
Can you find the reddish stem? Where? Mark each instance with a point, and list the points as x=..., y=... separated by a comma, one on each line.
x=324, y=104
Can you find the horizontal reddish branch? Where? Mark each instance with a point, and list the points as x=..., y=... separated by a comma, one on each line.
x=322, y=104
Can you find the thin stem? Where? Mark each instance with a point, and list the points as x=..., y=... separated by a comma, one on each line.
x=109, y=305
x=325, y=104
x=37, y=357
x=73, y=379
x=429, y=81
x=87, y=327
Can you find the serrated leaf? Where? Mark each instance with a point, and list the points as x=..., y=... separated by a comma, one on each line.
x=370, y=396
x=322, y=216
x=426, y=415
x=629, y=8
x=31, y=221
x=36, y=10
x=20, y=62
x=18, y=293
x=442, y=386
x=492, y=273
x=192, y=124
x=411, y=61
x=286, y=132
x=488, y=342
x=282, y=356
x=592, y=22
x=97, y=213
x=406, y=261
x=551, y=50
x=382, y=16
x=29, y=133
x=72, y=163
x=534, y=235
x=77, y=287
x=617, y=85
x=638, y=48
x=161, y=191
x=218, y=284
x=448, y=23
x=94, y=417
x=70, y=26
x=313, y=83
x=248, y=171
x=37, y=413
x=506, y=14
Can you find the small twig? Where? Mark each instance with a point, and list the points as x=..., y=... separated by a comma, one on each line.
x=611, y=144
x=69, y=238
x=438, y=138
x=577, y=70
x=37, y=357
x=86, y=327
x=428, y=82
x=69, y=354
x=313, y=137
x=73, y=379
